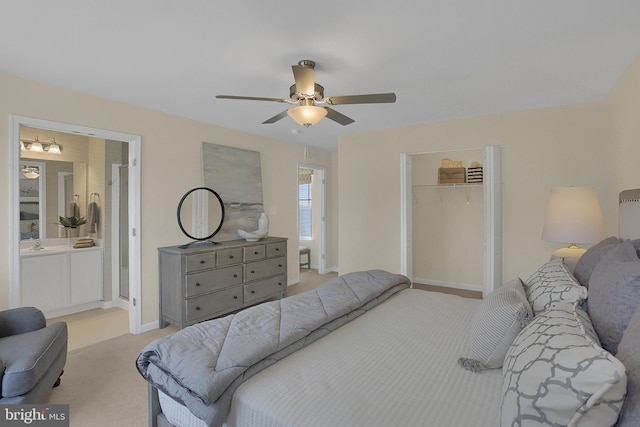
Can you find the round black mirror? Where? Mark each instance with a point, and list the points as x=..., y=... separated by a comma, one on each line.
x=200, y=211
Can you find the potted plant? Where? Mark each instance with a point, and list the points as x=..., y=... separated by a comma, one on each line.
x=71, y=225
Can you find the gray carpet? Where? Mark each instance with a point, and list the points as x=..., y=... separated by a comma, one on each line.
x=102, y=386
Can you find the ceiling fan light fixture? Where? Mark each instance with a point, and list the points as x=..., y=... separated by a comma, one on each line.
x=307, y=115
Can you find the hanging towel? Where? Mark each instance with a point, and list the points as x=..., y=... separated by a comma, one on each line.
x=92, y=217
x=74, y=210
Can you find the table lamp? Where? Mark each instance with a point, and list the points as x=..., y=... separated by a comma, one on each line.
x=573, y=216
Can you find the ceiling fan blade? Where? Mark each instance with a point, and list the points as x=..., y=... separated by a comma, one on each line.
x=276, y=118
x=304, y=77
x=251, y=98
x=375, y=98
x=338, y=117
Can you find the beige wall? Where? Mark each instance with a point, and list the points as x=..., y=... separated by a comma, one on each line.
x=171, y=164
x=624, y=104
x=543, y=149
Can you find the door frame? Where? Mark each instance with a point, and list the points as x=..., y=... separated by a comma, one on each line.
x=134, y=142
x=115, y=237
x=322, y=235
x=492, y=222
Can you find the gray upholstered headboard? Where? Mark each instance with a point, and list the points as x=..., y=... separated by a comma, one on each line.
x=629, y=214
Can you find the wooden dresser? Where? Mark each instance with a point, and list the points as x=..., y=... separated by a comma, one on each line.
x=207, y=281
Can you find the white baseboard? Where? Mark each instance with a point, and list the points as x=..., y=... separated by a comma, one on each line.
x=454, y=285
x=72, y=309
x=150, y=326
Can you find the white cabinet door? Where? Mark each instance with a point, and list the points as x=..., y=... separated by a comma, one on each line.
x=86, y=276
x=44, y=280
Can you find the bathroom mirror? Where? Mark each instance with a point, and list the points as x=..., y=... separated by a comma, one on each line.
x=43, y=198
x=200, y=214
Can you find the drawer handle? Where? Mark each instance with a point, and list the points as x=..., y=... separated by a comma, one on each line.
x=235, y=275
x=277, y=249
x=252, y=271
x=279, y=265
x=197, y=283
x=235, y=297
x=255, y=252
x=253, y=292
x=279, y=283
x=201, y=261
x=198, y=308
x=230, y=256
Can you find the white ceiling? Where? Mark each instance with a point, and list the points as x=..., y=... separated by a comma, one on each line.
x=444, y=59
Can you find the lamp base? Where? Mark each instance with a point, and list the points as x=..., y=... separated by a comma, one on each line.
x=570, y=256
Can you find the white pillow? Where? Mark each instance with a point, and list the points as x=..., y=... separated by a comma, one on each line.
x=556, y=374
x=497, y=321
x=553, y=284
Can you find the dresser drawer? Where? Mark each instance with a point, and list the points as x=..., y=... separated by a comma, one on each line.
x=197, y=262
x=253, y=253
x=263, y=288
x=205, y=306
x=229, y=256
x=275, y=249
x=262, y=269
x=207, y=281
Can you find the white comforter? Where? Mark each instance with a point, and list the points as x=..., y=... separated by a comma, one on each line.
x=394, y=366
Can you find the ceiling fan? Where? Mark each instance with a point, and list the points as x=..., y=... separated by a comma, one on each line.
x=308, y=98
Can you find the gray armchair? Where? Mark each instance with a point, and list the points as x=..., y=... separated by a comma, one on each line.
x=32, y=355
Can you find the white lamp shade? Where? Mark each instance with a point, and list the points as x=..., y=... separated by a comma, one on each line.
x=307, y=115
x=573, y=216
x=36, y=146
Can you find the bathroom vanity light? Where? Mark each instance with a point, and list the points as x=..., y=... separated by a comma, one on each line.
x=31, y=172
x=40, y=147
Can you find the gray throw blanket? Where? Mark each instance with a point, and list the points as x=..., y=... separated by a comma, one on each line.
x=202, y=365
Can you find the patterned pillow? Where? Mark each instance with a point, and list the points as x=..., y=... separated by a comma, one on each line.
x=555, y=374
x=553, y=284
x=497, y=321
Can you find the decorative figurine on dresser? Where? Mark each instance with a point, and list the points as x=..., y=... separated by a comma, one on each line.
x=203, y=279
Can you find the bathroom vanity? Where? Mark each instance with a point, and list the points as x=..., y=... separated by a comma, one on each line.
x=61, y=280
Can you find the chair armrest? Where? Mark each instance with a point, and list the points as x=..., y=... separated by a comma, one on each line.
x=21, y=320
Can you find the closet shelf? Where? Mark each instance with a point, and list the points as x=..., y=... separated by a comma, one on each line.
x=467, y=188
x=473, y=184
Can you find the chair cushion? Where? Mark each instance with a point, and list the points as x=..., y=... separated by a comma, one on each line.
x=27, y=357
x=20, y=320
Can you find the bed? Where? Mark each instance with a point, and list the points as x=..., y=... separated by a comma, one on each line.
x=542, y=351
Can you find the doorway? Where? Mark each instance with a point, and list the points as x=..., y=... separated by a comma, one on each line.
x=312, y=216
x=133, y=203
x=491, y=212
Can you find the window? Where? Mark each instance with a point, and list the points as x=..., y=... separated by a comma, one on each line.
x=304, y=207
